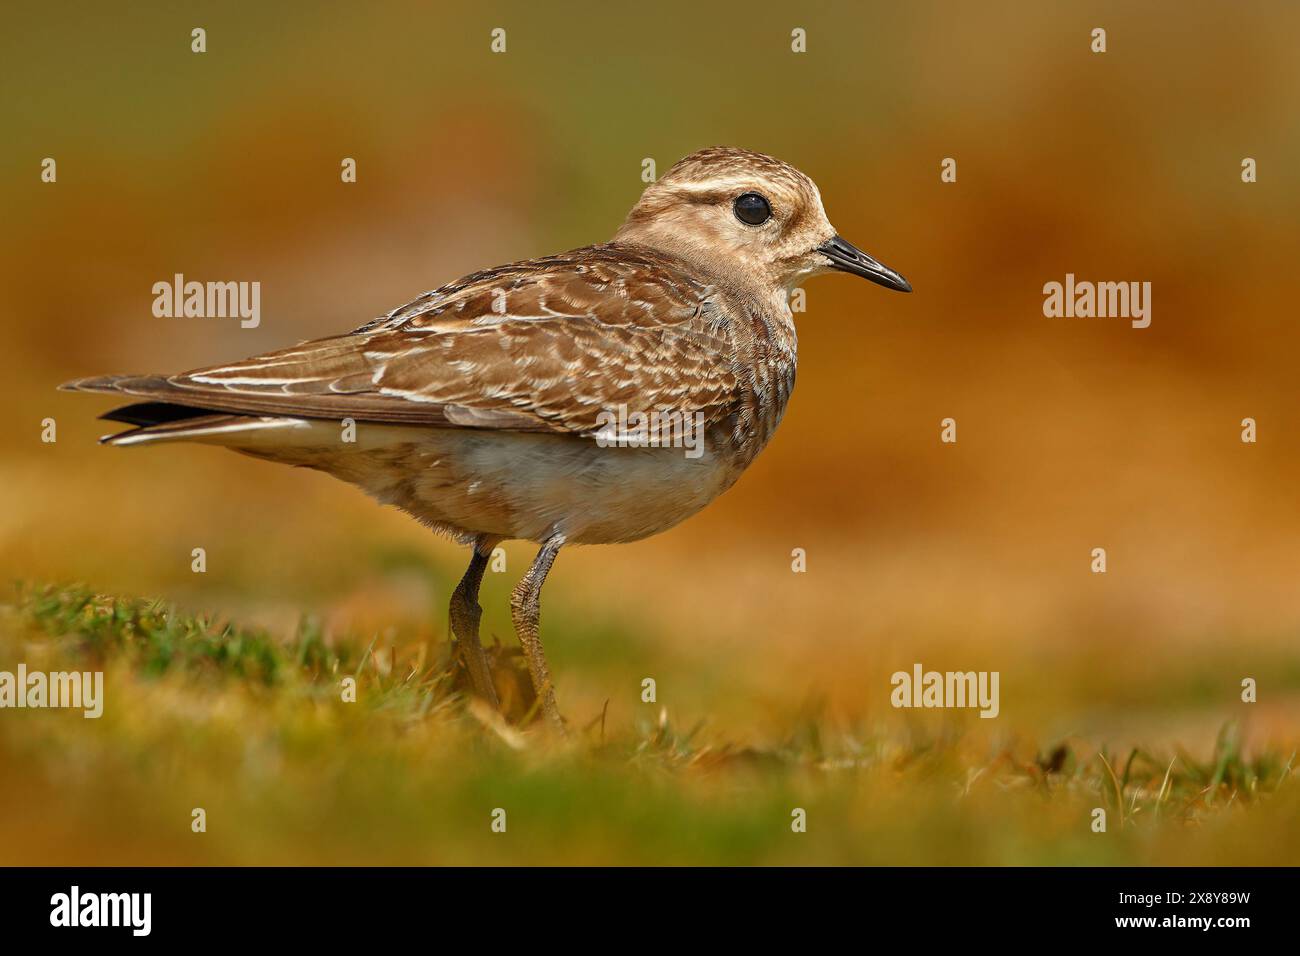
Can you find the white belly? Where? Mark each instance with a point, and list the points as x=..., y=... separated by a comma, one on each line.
x=509, y=484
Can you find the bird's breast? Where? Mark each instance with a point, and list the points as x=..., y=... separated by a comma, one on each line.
x=768, y=358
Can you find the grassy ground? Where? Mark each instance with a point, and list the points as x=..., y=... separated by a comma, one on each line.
x=252, y=727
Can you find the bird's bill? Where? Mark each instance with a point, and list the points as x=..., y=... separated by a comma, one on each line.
x=847, y=257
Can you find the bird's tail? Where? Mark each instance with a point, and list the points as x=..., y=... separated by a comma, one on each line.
x=236, y=431
x=167, y=421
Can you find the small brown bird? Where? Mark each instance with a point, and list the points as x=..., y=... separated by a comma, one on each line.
x=598, y=396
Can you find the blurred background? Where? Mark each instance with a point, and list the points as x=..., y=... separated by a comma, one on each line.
x=1073, y=433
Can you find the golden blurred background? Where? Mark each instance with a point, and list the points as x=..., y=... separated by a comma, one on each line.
x=1073, y=433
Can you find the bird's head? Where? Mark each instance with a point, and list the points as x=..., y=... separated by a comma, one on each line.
x=748, y=217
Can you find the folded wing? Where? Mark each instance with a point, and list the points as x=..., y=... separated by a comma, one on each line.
x=544, y=345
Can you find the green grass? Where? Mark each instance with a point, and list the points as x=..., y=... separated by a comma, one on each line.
x=251, y=726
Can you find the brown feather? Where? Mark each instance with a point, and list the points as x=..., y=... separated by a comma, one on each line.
x=544, y=346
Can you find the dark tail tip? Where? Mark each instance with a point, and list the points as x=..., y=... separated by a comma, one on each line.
x=152, y=413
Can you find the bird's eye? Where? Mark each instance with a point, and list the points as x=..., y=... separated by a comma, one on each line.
x=752, y=209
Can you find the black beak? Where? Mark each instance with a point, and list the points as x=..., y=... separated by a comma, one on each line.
x=849, y=258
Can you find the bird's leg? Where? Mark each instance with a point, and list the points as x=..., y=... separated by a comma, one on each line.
x=526, y=609
x=465, y=614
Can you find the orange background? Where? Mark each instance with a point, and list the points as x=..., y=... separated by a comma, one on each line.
x=1073, y=433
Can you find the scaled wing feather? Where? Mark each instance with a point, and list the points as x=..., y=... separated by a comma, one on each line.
x=544, y=345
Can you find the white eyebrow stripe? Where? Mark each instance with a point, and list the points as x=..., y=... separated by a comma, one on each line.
x=716, y=185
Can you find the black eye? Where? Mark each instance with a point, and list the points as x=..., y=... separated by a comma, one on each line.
x=753, y=209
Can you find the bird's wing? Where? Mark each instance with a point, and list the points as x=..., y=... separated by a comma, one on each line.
x=544, y=345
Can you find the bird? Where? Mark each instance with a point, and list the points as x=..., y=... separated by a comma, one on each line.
x=512, y=404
